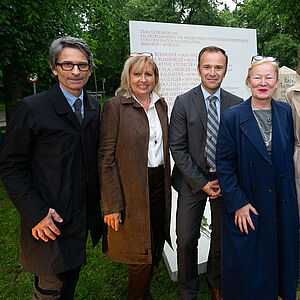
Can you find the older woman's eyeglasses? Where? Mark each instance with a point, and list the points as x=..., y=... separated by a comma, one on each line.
x=68, y=66
x=260, y=57
x=148, y=54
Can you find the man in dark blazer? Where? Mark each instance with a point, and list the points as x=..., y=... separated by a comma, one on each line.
x=49, y=167
x=193, y=177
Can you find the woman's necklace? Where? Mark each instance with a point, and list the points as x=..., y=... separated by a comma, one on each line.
x=266, y=134
x=260, y=108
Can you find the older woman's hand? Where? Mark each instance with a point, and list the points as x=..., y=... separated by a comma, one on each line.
x=113, y=220
x=242, y=216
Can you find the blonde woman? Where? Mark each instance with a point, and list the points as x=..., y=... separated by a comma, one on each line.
x=135, y=173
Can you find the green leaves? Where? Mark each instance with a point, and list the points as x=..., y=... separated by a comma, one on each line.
x=26, y=31
x=277, y=23
x=27, y=28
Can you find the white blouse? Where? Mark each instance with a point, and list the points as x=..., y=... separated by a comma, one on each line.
x=155, y=146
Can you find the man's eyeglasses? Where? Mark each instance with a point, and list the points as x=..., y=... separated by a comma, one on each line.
x=260, y=57
x=68, y=66
x=150, y=55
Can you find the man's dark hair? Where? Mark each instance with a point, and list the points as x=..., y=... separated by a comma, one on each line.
x=212, y=49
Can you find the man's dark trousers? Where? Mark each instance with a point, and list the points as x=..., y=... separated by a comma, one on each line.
x=190, y=211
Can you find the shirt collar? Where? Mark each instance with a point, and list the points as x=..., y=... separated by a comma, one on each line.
x=153, y=98
x=70, y=98
x=206, y=94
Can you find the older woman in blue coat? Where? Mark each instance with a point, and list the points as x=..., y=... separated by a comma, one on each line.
x=256, y=175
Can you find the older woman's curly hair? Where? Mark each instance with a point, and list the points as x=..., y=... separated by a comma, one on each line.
x=136, y=64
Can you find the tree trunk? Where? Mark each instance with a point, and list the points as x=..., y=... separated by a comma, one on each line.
x=12, y=89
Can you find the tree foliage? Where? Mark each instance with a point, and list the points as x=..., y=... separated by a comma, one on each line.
x=28, y=27
x=277, y=23
x=108, y=27
x=26, y=31
x=107, y=34
x=204, y=12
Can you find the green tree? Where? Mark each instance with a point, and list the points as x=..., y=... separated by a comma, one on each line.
x=107, y=33
x=228, y=18
x=202, y=12
x=108, y=29
x=153, y=11
x=27, y=29
x=277, y=24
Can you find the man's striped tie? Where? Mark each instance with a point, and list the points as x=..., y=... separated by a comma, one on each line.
x=212, y=132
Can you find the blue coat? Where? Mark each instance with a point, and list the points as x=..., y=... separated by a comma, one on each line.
x=264, y=263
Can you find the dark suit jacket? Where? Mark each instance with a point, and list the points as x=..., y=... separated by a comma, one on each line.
x=49, y=161
x=187, y=139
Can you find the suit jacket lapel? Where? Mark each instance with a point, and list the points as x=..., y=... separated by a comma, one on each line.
x=224, y=101
x=251, y=130
x=278, y=140
x=199, y=102
x=61, y=105
x=89, y=110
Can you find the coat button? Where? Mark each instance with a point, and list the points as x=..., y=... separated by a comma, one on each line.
x=253, y=188
x=268, y=164
x=283, y=201
x=282, y=177
x=250, y=163
x=269, y=190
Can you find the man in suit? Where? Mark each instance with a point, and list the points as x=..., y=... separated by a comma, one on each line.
x=49, y=167
x=192, y=139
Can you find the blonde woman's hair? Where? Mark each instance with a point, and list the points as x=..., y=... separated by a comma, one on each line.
x=137, y=63
x=260, y=62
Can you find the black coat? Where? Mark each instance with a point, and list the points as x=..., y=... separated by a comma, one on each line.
x=49, y=161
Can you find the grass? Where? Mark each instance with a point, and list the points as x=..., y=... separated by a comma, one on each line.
x=100, y=278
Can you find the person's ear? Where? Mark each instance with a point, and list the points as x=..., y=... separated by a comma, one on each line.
x=248, y=82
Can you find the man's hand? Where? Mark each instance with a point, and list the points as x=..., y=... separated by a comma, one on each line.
x=113, y=220
x=242, y=217
x=46, y=228
x=212, y=189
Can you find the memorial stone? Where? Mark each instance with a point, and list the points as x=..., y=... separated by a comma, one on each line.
x=287, y=78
